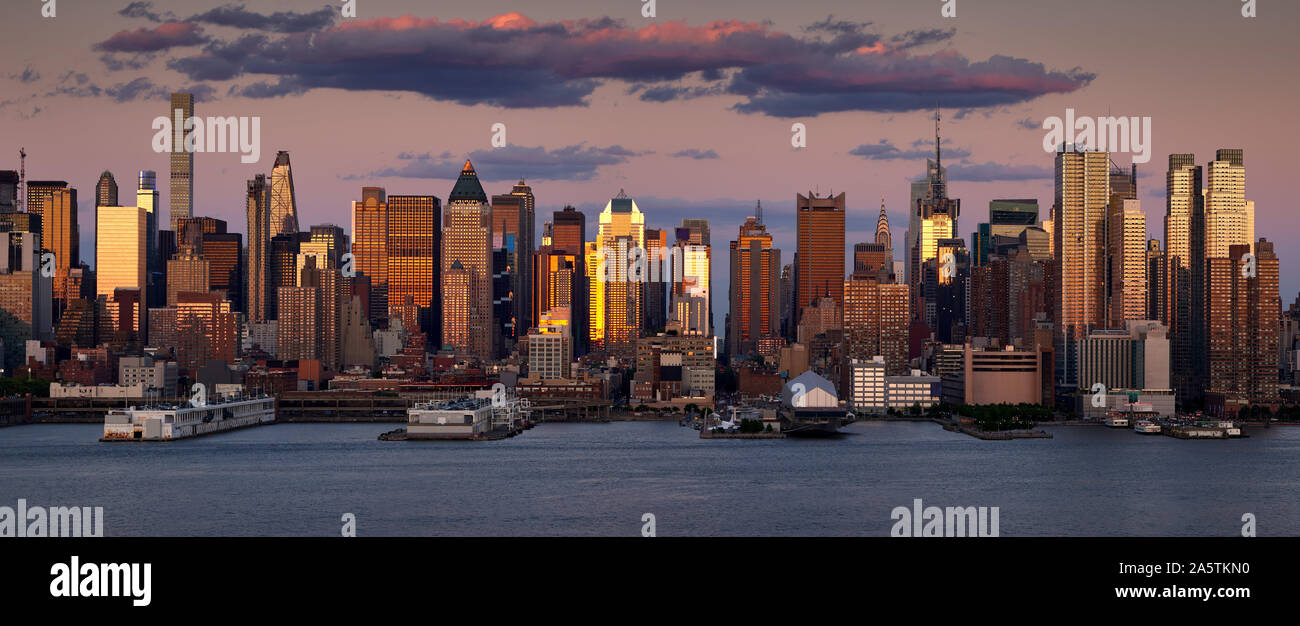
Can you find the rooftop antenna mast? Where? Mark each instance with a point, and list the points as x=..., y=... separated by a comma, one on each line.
x=22, y=179
x=759, y=211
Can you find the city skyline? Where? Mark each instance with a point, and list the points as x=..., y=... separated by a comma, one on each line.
x=581, y=155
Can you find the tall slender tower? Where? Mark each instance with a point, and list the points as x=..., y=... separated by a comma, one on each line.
x=146, y=197
x=370, y=247
x=1082, y=197
x=755, y=289
x=883, y=236
x=259, y=242
x=819, y=257
x=283, y=205
x=935, y=217
x=182, y=160
x=1184, y=261
x=621, y=230
x=467, y=267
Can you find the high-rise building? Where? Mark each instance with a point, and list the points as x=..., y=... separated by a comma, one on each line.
x=656, y=287
x=58, y=233
x=692, y=294
x=1127, y=261
x=569, y=230
x=1242, y=310
x=466, y=248
x=181, y=201
x=621, y=231
x=820, y=256
x=755, y=288
x=876, y=320
x=224, y=254
x=106, y=190
x=146, y=197
x=199, y=326
x=1082, y=194
x=1229, y=217
x=189, y=272
x=933, y=218
x=120, y=262
x=1157, y=305
x=1184, y=276
x=413, y=266
x=25, y=296
x=283, y=270
x=281, y=200
x=515, y=213
x=259, y=249
x=370, y=246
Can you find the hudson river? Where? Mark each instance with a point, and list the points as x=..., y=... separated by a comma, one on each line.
x=599, y=479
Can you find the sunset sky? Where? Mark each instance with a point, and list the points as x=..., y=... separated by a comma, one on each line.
x=689, y=112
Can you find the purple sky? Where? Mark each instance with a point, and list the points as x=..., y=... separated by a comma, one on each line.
x=690, y=112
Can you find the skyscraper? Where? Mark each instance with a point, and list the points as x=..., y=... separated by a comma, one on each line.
x=370, y=246
x=224, y=254
x=259, y=242
x=513, y=215
x=876, y=320
x=1229, y=216
x=466, y=263
x=655, y=290
x=820, y=250
x=755, y=289
x=935, y=218
x=182, y=160
x=188, y=272
x=413, y=271
x=1082, y=194
x=106, y=190
x=146, y=197
x=569, y=236
x=621, y=230
x=1127, y=261
x=120, y=262
x=693, y=294
x=1242, y=315
x=283, y=205
x=1184, y=288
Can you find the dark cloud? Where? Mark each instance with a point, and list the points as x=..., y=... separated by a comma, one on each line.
x=79, y=85
x=144, y=10
x=236, y=16
x=886, y=151
x=892, y=83
x=1030, y=124
x=28, y=75
x=162, y=37
x=695, y=153
x=515, y=62
x=989, y=171
x=577, y=162
x=917, y=38
x=116, y=62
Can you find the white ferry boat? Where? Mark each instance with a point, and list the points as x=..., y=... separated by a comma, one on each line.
x=1146, y=427
x=477, y=418
x=169, y=423
x=1116, y=421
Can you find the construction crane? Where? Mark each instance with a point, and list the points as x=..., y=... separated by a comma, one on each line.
x=22, y=179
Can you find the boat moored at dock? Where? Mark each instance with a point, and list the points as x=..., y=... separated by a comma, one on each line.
x=1146, y=427
x=164, y=422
